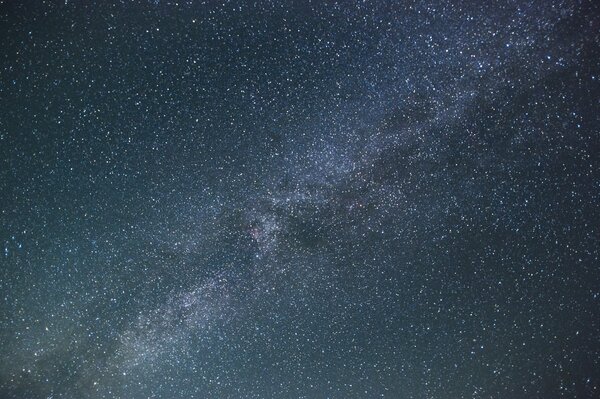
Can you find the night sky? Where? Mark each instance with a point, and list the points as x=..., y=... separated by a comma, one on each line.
x=296, y=199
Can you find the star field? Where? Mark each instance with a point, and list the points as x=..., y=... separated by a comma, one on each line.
x=300, y=199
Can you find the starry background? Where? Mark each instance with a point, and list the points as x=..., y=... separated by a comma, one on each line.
x=299, y=199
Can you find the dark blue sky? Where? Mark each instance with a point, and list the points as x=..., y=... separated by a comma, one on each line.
x=299, y=199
